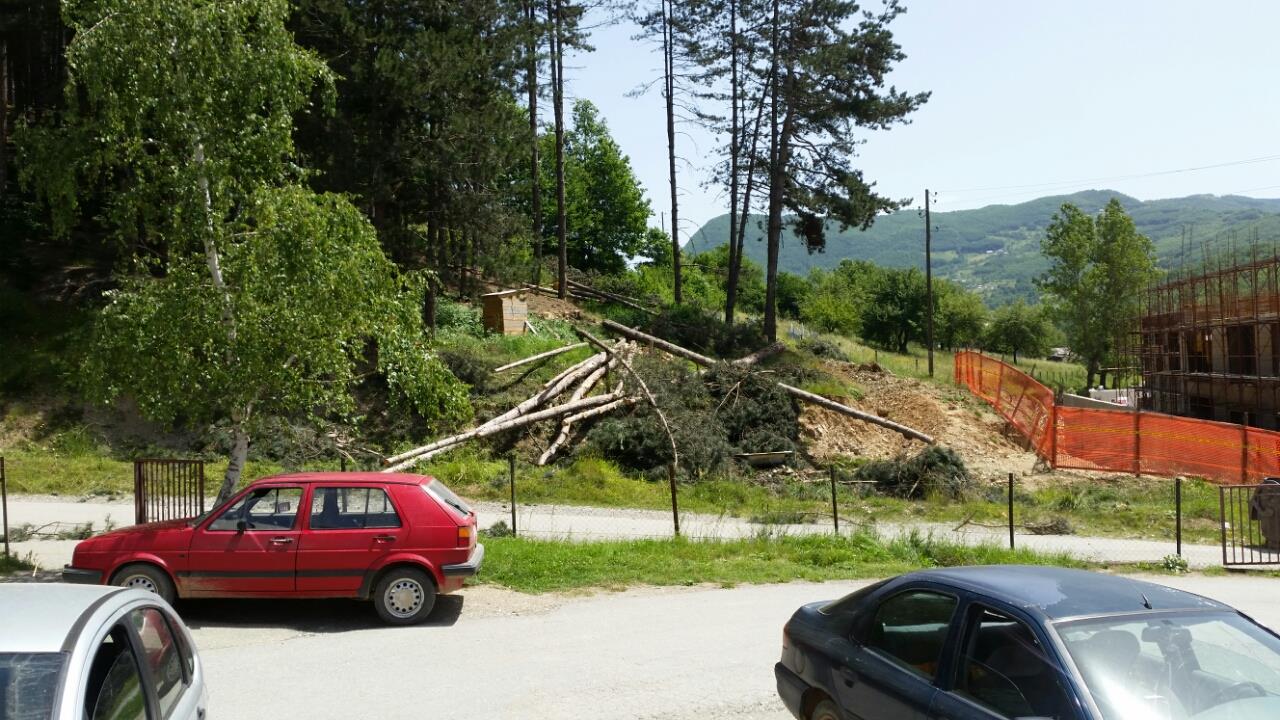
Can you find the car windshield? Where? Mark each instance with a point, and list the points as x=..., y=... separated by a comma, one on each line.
x=445, y=495
x=1208, y=666
x=29, y=684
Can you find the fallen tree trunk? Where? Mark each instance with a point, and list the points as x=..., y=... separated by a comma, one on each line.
x=629, y=302
x=540, y=356
x=417, y=455
x=566, y=424
x=794, y=391
x=657, y=342
x=551, y=389
x=760, y=355
x=851, y=412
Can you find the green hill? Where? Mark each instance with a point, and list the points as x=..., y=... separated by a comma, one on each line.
x=995, y=250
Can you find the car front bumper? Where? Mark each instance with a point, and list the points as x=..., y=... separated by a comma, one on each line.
x=81, y=576
x=791, y=689
x=468, y=568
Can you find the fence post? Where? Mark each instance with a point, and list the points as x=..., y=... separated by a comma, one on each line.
x=1010, y=511
x=1000, y=390
x=1177, y=502
x=4, y=506
x=675, y=507
x=1053, y=433
x=511, y=480
x=1244, y=450
x=1137, y=442
x=835, y=511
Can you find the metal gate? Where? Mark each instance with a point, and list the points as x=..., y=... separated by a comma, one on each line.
x=1250, y=521
x=167, y=489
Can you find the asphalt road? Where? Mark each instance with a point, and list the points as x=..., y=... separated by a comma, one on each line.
x=680, y=653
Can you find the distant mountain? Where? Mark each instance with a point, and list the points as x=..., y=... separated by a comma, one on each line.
x=995, y=250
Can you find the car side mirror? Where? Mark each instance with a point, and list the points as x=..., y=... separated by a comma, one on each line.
x=242, y=525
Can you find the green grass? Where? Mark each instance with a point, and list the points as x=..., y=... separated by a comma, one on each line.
x=12, y=564
x=42, y=472
x=915, y=362
x=546, y=565
x=1130, y=508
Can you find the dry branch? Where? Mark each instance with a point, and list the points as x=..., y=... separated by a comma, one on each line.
x=540, y=356
x=419, y=454
x=794, y=391
x=620, y=299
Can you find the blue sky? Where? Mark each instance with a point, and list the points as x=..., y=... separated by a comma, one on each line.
x=1030, y=98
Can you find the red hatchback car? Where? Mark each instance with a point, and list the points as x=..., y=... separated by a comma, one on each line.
x=396, y=539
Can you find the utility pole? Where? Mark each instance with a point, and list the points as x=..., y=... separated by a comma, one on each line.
x=928, y=279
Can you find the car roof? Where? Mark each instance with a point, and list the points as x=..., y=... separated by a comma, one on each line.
x=353, y=478
x=1058, y=593
x=39, y=617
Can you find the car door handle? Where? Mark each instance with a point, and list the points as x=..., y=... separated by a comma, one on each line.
x=281, y=540
x=384, y=538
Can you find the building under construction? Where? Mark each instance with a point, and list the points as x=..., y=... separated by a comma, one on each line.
x=1209, y=343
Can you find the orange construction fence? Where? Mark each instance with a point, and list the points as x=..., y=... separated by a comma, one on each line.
x=1119, y=440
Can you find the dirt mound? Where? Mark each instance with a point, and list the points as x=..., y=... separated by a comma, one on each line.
x=960, y=423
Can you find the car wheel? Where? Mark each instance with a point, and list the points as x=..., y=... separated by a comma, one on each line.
x=146, y=577
x=404, y=596
x=825, y=710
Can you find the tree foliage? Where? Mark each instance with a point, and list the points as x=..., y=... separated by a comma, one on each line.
x=1098, y=267
x=249, y=295
x=1019, y=328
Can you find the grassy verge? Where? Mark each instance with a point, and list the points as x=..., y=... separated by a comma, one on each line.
x=545, y=565
x=13, y=564
x=94, y=474
x=1130, y=508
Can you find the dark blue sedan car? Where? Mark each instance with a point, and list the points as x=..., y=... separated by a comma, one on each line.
x=1011, y=642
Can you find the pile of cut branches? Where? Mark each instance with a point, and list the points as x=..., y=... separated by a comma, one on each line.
x=572, y=389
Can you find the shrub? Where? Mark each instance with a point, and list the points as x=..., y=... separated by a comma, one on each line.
x=452, y=315
x=822, y=348
x=702, y=330
x=935, y=469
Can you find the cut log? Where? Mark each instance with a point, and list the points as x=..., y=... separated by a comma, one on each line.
x=540, y=356
x=553, y=387
x=860, y=415
x=417, y=455
x=760, y=355
x=647, y=339
x=563, y=436
x=621, y=300
x=794, y=391
x=566, y=425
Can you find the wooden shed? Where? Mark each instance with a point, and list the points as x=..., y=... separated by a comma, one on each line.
x=505, y=312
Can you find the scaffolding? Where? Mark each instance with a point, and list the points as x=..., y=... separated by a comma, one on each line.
x=1208, y=342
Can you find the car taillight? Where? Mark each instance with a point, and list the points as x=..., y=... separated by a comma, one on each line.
x=465, y=534
x=786, y=637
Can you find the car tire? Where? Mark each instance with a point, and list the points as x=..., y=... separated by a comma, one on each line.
x=404, y=596
x=146, y=577
x=825, y=710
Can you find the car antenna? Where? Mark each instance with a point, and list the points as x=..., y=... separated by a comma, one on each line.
x=1145, y=602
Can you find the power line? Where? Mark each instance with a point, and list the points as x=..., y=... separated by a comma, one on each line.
x=1250, y=161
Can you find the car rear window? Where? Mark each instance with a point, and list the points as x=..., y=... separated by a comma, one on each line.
x=447, y=496
x=29, y=684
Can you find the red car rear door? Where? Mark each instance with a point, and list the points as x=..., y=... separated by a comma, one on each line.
x=349, y=529
x=249, y=548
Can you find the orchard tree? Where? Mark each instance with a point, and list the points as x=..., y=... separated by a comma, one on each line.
x=1098, y=266
x=1019, y=328
x=961, y=316
x=894, y=313
x=256, y=296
